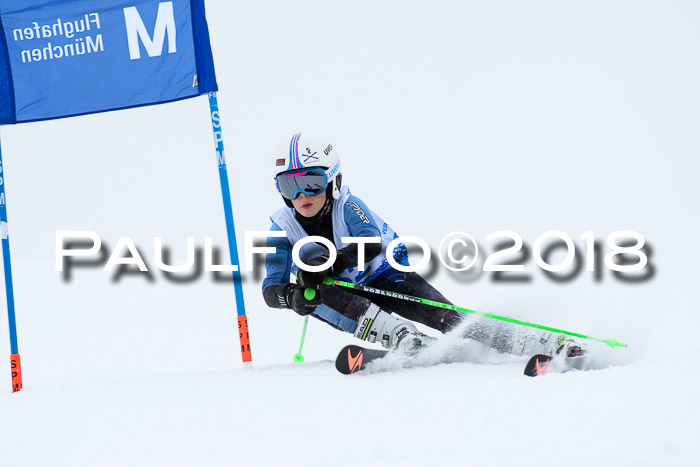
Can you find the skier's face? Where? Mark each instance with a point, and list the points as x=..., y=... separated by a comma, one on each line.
x=309, y=206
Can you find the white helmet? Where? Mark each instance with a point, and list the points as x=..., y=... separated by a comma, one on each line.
x=306, y=151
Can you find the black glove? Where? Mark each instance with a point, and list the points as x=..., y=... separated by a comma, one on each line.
x=297, y=302
x=312, y=280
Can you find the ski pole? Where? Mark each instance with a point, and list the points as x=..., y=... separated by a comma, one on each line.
x=309, y=294
x=299, y=357
x=330, y=281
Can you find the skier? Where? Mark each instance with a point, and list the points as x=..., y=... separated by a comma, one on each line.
x=308, y=176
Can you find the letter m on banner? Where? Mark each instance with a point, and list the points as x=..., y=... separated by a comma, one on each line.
x=135, y=30
x=74, y=57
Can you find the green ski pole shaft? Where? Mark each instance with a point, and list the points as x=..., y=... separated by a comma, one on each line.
x=299, y=357
x=309, y=294
x=329, y=281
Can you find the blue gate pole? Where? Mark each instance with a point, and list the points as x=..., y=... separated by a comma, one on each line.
x=243, y=332
x=15, y=365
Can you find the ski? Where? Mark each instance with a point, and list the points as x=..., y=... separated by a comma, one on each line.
x=353, y=358
x=540, y=364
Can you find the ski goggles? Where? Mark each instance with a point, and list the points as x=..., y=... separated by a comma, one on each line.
x=312, y=181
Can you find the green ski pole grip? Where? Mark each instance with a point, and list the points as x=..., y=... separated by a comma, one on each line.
x=309, y=294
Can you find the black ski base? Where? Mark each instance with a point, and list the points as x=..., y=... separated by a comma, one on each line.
x=353, y=358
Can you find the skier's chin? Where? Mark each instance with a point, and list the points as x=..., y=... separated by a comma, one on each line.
x=306, y=211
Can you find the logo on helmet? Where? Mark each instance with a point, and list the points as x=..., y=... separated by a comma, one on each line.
x=328, y=150
x=309, y=156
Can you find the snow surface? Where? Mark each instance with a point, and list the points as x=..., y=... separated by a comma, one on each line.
x=470, y=116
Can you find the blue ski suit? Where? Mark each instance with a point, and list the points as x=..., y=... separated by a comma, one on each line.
x=349, y=216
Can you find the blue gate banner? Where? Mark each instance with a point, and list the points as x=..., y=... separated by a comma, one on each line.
x=61, y=58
